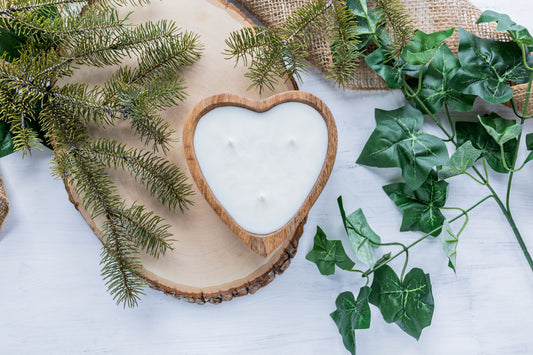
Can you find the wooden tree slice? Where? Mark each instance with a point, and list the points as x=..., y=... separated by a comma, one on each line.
x=209, y=263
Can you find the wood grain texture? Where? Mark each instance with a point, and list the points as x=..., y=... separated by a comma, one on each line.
x=262, y=244
x=209, y=263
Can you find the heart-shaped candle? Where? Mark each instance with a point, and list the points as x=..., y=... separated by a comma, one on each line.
x=261, y=164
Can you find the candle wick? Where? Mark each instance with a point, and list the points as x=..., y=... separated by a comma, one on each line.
x=292, y=141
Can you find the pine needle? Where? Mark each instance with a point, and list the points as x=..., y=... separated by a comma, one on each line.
x=399, y=24
x=35, y=109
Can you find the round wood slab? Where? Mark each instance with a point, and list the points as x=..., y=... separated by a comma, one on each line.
x=209, y=263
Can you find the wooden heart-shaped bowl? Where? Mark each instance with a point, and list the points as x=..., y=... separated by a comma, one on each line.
x=261, y=165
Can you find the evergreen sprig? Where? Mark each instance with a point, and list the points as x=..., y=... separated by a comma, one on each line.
x=399, y=24
x=344, y=49
x=281, y=52
x=349, y=26
x=50, y=39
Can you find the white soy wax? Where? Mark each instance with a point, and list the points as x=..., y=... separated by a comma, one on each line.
x=261, y=166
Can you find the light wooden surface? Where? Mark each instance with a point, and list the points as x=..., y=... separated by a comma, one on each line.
x=202, y=266
x=53, y=300
x=259, y=243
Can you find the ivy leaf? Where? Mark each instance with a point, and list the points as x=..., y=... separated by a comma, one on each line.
x=449, y=244
x=420, y=207
x=500, y=129
x=520, y=34
x=362, y=237
x=328, y=253
x=6, y=140
x=391, y=71
x=398, y=142
x=423, y=47
x=392, y=74
x=352, y=314
x=490, y=150
x=529, y=146
x=436, y=90
x=370, y=23
x=464, y=158
x=487, y=66
x=408, y=303
x=529, y=141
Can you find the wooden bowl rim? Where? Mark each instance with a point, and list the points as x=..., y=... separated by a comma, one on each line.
x=262, y=244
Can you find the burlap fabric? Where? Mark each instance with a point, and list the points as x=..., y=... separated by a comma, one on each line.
x=428, y=16
x=4, y=204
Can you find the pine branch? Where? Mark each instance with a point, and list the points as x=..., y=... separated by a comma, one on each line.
x=121, y=266
x=273, y=53
x=7, y=9
x=164, y=181
x=168, y=57
x=306, y=21
x=145, y=229
x=280, y=52
x=31, y=103
x=399, y=23
x=344, y=49
x=159, y=93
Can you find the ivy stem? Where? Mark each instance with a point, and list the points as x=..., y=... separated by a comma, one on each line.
x=515, y=109
x=410, y=93
x=505, y=210
x=406, y=248
x=509, y=217
x=511, y=170
x=465, y=213
x=524, y=59
x=474, y=178
x=450, y=122
x=522, y=119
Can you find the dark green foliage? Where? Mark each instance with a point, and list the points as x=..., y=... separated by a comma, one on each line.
x=487, y=66
x=438, y=84
x=6, y=141
x=420, y=207
x=518, y=33
x=481, y=140
x=435, y=89
x=370, y=23
x=35, y=110
x=328, y=253
x=500, y=129
x=408, y=302
x=381, y=64
x=352, y=314
x=398, y=142
x=423, y=47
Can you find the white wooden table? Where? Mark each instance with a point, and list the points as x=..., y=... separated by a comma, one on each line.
x=53, y=300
